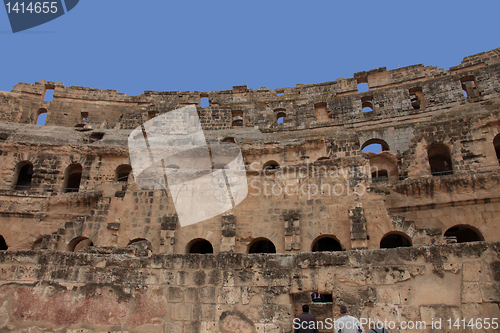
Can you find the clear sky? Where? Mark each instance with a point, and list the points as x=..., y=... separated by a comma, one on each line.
x=132, y=46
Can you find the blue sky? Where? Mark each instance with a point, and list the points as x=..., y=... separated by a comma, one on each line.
x=132, y=46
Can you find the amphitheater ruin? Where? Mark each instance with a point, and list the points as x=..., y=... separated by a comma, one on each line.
x=384, y=199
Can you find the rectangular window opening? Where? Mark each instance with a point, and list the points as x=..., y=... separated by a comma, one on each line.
x=49, y=95
x=152, y=114
x=363, y=87
x=280, y=93
x=85, y=116
x=469, y=87
x=204, y=102
x=417, y=98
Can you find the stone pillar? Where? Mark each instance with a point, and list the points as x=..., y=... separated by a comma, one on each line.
x=292, y=232
x=228, y=234
x=167, y=233
x=358, y=228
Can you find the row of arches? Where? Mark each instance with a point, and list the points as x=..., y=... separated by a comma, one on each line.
x=324, y=243
x=72, y=176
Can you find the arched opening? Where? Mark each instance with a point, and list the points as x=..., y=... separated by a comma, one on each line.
x=122, y=172
x=271, y=165
x=79, y=243
x=374, y=146
x=464, y=234
x=440, y=159
x=72, y=178
x=3, y=244
x=326, y=244
x=41, y=117
x=261, y=245
x=280, y=115
x=496, y=144
x=395, y=239
x=229, y=140
x=24, y=175
x=199, y=245
x=367, y=106
x=237, y=118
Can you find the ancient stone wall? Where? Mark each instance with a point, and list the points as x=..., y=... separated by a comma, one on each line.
x=390, y=95
x=82, y=292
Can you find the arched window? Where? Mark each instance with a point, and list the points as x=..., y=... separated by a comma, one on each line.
x=280, y=115
x=79, y=243
x=24, y=175
x=374, y=146
x=440, y=159
x=395, y=239
x=122, y=172
x=496, y=143
x=261, y=245
x=72, y=178
x=41, y=117
x=367, y=103
x=463, y=234
x=367, y=106
x=326, y=244
x=271, y=165
x=3, y=244
x=229, y=139
x=237, y=118
x=199, y=245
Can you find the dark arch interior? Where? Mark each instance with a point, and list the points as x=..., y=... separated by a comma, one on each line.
x=440, y=160
x=238, y=122
x=271, y=165
x=3, y=244
x=24, y=177
x=202, y=246
x=79, y=243
x=496, y=143
x=394, y=240
x=327, y=244
x=122, y=172
x=262, y=246
x=74, y=176
x=463, y=234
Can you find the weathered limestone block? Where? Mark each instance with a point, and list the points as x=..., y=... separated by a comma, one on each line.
x=490, y=291
x=471, y=292
x=229, y=295
x=473, y=271
x=393, y=274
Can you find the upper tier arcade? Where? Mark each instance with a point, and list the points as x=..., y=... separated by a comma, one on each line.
x=395, y=93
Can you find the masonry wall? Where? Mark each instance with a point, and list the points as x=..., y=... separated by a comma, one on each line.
x=81, y=292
